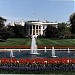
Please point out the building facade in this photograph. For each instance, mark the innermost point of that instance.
(37, 27)
(34, 27)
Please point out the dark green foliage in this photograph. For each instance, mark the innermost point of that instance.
(3, 30)
(16, 31)
(10, 30)
(63, 30)
(2, 20)
(51, 32)
(4, 34)
(72, 18)
(73, 29)
(72, 21)
(19, 31)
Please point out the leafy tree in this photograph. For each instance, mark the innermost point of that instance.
(63, 30)
(72, 22)
(51, 32)
(2, 20)
(3, 30)
(4, 34)
(19, 31)
(10, 30)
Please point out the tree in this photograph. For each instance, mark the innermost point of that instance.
(19, 31)
(4, 34)
(3, 30)
(10, 30)
(51, 32)
(72, 22)
(63, 30)
(2, 20)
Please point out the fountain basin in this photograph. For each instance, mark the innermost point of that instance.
(34, 53)
(54, 56)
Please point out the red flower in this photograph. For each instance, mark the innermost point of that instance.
(21, 61)
(72, 61)
(5, 60)
(13, 60)
(27, 60)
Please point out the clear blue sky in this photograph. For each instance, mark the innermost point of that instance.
(51, 10)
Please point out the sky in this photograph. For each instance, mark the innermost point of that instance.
(51, 10)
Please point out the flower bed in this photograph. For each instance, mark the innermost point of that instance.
(38, 64)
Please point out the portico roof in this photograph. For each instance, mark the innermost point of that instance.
(43, 23)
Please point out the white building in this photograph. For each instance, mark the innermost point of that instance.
(13, 23)
(37, 27)
(34, 27)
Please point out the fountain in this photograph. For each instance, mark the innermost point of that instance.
(34, 46)
(11, 54)
(68, 50)
(45, 49)
(53, 52)
(19, 50)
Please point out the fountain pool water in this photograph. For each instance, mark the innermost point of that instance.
(33, 45)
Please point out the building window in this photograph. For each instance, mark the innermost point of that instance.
(33, 26)
(37, 27)
(30, 27)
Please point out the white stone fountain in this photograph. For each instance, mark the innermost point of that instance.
(33, 45)
(45, 49)
(53, 52)
(11, 54)
(68, 50)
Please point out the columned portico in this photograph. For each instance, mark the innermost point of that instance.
(29, 30)
(41, 29)
(32, 29)
(37, 28)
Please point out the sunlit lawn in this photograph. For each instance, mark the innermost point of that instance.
(40, 42)
(16, 42)
(56, 42)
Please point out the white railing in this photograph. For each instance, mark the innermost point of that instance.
(30, 49)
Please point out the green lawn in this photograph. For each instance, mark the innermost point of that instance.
(56, 42)
(16, 42)
(40, 42)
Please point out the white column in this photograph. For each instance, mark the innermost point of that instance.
(35, 29)
(41, 30)
(29, 29)
(32, 29)
(38, 29)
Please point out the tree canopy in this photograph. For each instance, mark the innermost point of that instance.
(3, 30)
(51, 32)
(72, 22)
(2, 20)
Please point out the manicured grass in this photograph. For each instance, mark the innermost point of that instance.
(40, 42)
(56, 42)
(16, 42)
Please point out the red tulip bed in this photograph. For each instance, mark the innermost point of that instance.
(37, 64)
